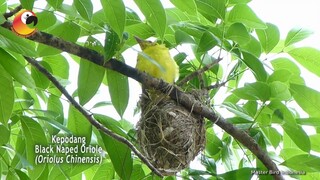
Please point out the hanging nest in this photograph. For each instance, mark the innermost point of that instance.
(169, 135)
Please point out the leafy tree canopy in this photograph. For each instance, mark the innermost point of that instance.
(228, 44)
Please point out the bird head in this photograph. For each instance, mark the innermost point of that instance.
(144, 43)
(21, 22)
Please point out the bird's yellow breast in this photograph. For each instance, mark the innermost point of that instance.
(161, 55)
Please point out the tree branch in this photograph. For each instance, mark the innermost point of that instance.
(183, 98)
(13, 12)
(88, 116)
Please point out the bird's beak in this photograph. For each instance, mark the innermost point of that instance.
(32, 19)
(139, 40)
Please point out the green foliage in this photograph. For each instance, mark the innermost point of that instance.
(119, 153)
(6, 96)
(154, 14)
(268, 106)
(90, 75)
(115, 15)
(295, 35)
(9, 41)
(27, 4)
(85, 8)
(119, 90)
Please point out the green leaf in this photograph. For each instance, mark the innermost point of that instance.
(141, 30)
(23, 99)
(315, 142)
(119, 90)
(295, 35)
(213, 143)
(176, 16)
(268, 37)
(155, 15)
(309, 121)
(132, 17)
(307, 98)
(210, 164)
(2, 19)
(238, 33)
(34, 135)
(308, 57)
(64, 170)
(55, 105)
(46, 19)
(185, 6)
(116, 15)
(254, 91)
(242, 13)
(192, 29)
(119, 153)
(180, 57)
(5, 135)
(27, 4)
(9, 40)
(78, 124)
(21, 174)
(290, 126)
(3, 6)
(90, 75)
(285, 63)
(15, 69)
(59, 65)
(280, 91)
(89, 80)
(287, 153)
(55, 3)
(212, 9)
(255, 65)
(102, 104)
(137, 172)
(207, 42)
(272, 135)
(253, 46)
(281, 75)
(251, 107)
(85, 8)
(231, 2)
(243, 173)
(105, 171)
(111, 44)
(69, 9)
(239, 111)
(6, 96)
(41, 80)
(68, 31)
(182, 37)
(303, 162)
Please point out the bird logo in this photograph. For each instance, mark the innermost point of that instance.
(21, 22)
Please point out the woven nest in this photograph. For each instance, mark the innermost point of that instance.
(169, 135)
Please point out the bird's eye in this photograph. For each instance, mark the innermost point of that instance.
(24, 16)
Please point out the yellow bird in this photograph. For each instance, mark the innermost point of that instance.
(167, 69)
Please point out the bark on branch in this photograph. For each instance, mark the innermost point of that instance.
(181, 97)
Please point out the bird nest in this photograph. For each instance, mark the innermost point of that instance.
(169, 135)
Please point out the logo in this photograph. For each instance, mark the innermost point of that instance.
(22, 22)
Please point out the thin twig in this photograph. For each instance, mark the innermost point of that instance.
(88, 116)
(198, 72)
(217, 85)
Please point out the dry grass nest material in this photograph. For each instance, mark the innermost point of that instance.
(169, 135)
